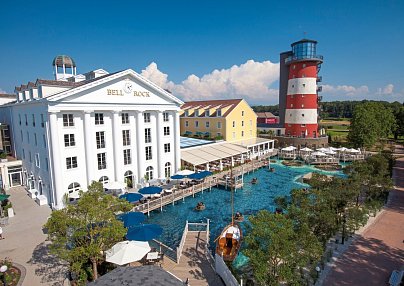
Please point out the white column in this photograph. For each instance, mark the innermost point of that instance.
(207, 167)
(57, 162)
(220, 165)
(133, 143)
(89, 146)
(176, 135)
(141, 171)
(117, 143)
(160, 145)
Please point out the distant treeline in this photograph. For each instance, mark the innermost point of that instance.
(334, 109)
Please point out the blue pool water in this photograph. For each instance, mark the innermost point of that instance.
(248, 200)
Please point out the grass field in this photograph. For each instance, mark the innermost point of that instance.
(337, 129)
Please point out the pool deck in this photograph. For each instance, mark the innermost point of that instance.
(194, 264)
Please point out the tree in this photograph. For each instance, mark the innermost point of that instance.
(399, 114)
(371, 121)
(277, 251)
(80, 233)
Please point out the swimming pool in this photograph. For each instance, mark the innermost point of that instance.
(248, 200)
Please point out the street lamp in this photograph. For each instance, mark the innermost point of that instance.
(318, 271)
(3, 270)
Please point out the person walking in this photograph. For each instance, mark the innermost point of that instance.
(1, 233)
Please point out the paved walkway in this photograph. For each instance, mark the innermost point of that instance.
(370, 259)
(25, 242)
(193, 263)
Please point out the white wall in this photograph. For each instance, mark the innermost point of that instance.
(305, 85)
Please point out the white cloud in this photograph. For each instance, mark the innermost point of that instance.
(345, 90)
(251, 81)
(387, 90)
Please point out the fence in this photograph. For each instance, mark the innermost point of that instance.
(223, 271)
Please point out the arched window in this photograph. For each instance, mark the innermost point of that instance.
(73, 191)
(167, 170)
(149, 173)
(128, 176)
(104, 180)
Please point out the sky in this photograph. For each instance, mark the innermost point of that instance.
(203, 50)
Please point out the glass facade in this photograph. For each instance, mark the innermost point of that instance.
(304, 50)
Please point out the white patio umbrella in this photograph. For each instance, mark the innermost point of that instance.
(353, 150)
(125, 252)
(318, 154)
(185, 172)
(115, 185)
(305, 149)
(331, 152)
(322, 149)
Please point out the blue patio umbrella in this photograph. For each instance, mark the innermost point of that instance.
(200, 175)
(131, 219)
(177, 177)
(150, 190)
(144, 232)
(131, 197)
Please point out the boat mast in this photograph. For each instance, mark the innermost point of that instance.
(231, 191)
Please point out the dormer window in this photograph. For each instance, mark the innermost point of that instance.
(207, 113)
(196, 112)
(186, 113)
(219, 112)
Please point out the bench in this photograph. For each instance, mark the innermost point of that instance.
(396, 277)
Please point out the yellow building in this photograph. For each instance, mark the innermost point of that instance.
(231, 120)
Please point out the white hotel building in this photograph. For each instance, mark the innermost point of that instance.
(97, 126)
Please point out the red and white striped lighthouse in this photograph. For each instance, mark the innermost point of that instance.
(300, 114)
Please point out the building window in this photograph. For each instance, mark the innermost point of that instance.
(242, 133)
(100, 139)
(165, 116)
(125, 118)
(166, 130)
(234, 135)
(303, 115)
(128, 178)
(304, 65)
(146, 117)
(104, 180)
(302, 95)
(71, 162)
(167, 170)
(218, 134)
(186, 123)
(219, 112)
(147, 135)
(69, 140)
(148, 153)
(294, 66)
(33, 120)
(72, 191)
(291, 96)
(127, 159)
(19, 119)
(196, 124)
(30, 157)
(302, 105)
(234, 123)
(149, 173)
(42, 121)
(303, 75)
(26, 120)
(219, 125)
(304, 85)
(250, 122)
(242, 113)
(35, 140)
(303, 125)
(196, 113)
(99, 118)
(27, 137)
(46, 164)
(23, 154)
(293, 85)
(44, 140)
(186, 113)
(291, 105)
(102, 162)
(68, 120)
(37, 161)
(22, 136)
(242, 123)
(207, 113)
(125, 137)
(207, 124)
(167, 148)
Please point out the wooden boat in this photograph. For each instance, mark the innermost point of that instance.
(229, 242)
(254, 181)
(238, 217)
(200, 206)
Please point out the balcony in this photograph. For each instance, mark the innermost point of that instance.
(319, 79)
(319, 88)
(291, 59)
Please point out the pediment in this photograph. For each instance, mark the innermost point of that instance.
(125, 87)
